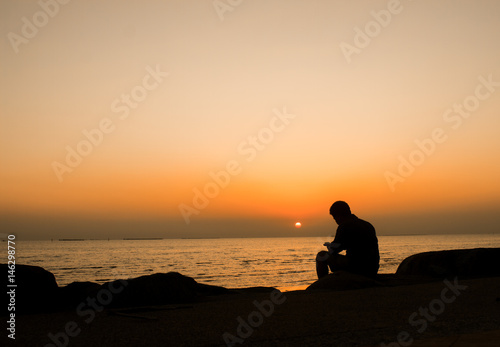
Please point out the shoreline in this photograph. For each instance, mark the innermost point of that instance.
(100, 261)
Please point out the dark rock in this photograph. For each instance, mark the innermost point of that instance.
(156, 289)
(465, 263)
(210, 290)
(393, 280)
(36, 289)
(343, 280)
(77, 292)
(252, 290)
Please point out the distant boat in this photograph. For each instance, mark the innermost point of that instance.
(142, 238)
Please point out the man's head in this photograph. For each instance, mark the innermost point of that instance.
(340, 211)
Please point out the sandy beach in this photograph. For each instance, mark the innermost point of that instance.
(418, 315)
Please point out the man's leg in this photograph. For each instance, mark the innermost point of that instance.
(338, 262)
(335, 262)
(322, 263)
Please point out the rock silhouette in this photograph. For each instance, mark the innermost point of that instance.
(36, 288)
(155, 289)
(465, 263)
(343, 280)
(77, 292)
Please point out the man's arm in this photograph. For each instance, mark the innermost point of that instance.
(337, 245)
(333, 247)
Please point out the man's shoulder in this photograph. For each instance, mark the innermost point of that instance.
(354, 224)
(358, 222)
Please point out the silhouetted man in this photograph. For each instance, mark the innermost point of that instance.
(357, 237)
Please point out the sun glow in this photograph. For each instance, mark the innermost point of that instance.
(298, 224)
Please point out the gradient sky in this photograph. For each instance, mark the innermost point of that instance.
(223, 73)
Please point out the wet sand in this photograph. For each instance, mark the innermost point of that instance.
(420, 315)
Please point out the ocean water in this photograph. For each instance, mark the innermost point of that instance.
(232, 263)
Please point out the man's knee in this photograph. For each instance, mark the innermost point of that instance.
(322, 256)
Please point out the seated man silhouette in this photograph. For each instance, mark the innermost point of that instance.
(357, 237)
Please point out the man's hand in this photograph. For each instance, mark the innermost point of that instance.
(329, 247)
(332, 247)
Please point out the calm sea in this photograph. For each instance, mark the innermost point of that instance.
(232, 263)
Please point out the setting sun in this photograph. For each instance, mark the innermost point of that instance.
(298, 224)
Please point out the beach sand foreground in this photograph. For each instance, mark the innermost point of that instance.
(461, 313)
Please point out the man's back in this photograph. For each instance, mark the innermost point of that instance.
(360, 242)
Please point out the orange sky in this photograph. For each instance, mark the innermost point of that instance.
(157, 96)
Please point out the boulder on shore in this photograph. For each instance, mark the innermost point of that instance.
(343, 280)
(35, 291)
(155, 289)
(470, 263)
(77, 292)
